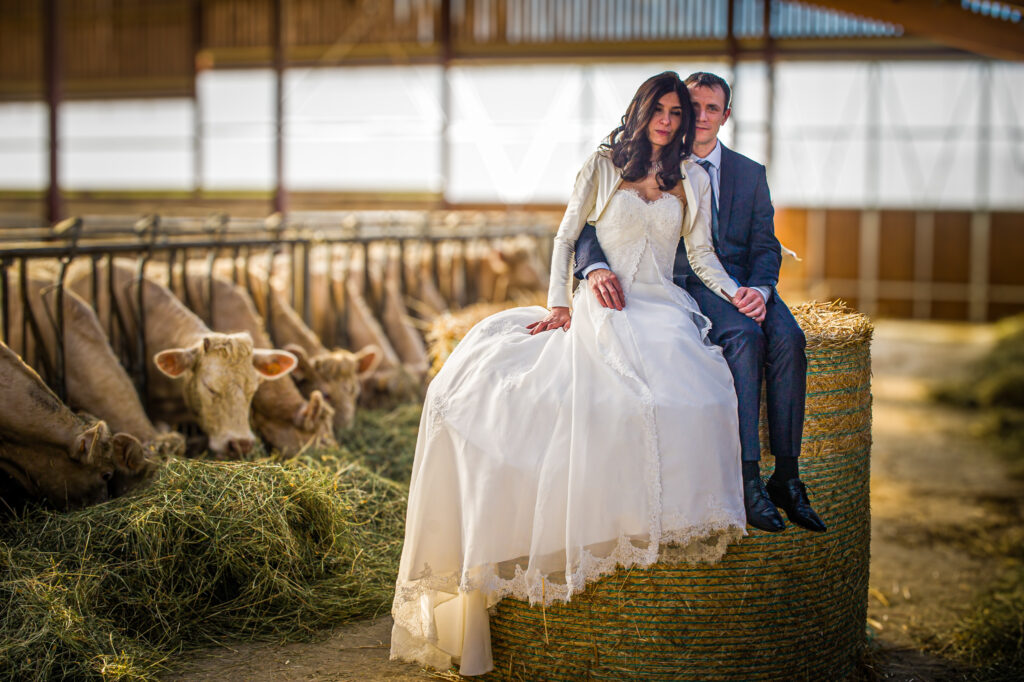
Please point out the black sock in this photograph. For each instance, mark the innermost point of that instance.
(751, 470)
(786, 469)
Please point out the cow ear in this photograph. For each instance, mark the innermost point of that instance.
(368, 358)
(88, 442)
(128, 453)
(303, 370)
(273, 364)
(175, 361)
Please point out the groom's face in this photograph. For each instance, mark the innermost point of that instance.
(709, 111)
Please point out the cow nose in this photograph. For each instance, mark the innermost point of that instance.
(239, 447)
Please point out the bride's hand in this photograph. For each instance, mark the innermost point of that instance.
(558, 318)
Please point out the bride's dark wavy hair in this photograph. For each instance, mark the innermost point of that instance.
(629, 144)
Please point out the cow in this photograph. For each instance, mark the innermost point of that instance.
(95, 381)
(280, 413)
(50, 455)
(203, 376)
(337, 374)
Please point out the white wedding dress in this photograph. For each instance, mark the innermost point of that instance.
(544, 462)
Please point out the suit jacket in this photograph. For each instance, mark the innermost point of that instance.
(595, 184)
(746, 244)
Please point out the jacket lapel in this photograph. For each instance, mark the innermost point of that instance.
(726, 182)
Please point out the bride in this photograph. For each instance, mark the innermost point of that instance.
(551, 453)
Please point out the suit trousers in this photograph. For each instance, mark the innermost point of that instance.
(773, 349)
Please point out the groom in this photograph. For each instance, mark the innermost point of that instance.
(756, 331)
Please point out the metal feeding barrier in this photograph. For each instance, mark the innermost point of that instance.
(171, 241)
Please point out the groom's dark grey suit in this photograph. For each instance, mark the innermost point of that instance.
(747, 247)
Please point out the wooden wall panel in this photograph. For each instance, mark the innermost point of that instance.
(111, 48)
(1006, 254)
(896, 246)
(949, 310)
(21, 51)
(791, 230)
(997, 311)
(952, 247)
(842, 244)
(894, 308)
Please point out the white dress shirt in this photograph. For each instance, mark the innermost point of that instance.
(715, 157)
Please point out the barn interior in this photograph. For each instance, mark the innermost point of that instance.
(383, 173)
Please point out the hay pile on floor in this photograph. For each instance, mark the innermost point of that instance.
(210, 552)
(995, 387)
(383, 441)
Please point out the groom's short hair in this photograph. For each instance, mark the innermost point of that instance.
(703, 79)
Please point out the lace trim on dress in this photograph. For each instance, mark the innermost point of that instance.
(688, 543)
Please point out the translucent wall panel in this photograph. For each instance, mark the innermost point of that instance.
(520, 134)
(237, 110)
(126, 144)
(746, 131)
(820, 144)
(928, 117)
(372, 128)
(1005, 176)
(23, 161)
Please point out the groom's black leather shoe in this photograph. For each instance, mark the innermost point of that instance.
(761, 513)
(791, 495)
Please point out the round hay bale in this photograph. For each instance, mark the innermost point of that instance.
(787, 606)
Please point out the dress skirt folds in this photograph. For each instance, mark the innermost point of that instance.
(544, 462)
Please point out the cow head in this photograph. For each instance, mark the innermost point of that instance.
(163, 446)
(312, 425)
(97, 467)
(338, 375)
(220, 374)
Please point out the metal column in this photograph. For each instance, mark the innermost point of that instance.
(446, 97)
(53, 60)
(278, 36)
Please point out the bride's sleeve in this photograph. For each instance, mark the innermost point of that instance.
(700, 249)
(581, 203)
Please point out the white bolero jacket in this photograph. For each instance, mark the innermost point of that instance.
(596, 182)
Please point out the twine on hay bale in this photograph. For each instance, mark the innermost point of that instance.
(780, 606)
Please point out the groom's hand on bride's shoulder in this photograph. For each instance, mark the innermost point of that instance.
(558, 318)
(750, 302)
(606, 288)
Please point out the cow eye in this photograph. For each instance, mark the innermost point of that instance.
(107, 475)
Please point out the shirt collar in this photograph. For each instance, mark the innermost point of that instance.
(715, 156)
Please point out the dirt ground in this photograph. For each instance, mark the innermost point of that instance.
(942, 506)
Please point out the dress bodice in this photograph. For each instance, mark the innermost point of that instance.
(632, 227)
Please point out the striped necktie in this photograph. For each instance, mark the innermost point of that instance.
(706, 165)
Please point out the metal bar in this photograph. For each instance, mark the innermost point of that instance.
(186, 291)
(403, 279)
(61, 380)
(446, 98)
(5, 292)
(53, 59)
(197, 111)
(210, 260)
(141, 366)
(269, 296)
(29, 321)
(307, 303)
(769, 63)
(278, 35)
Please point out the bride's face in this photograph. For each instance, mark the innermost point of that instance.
(668, 116)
